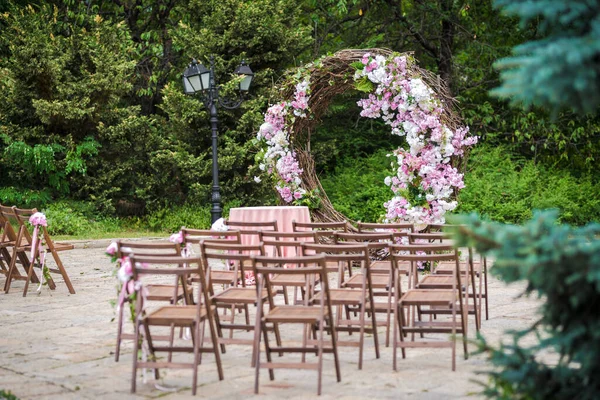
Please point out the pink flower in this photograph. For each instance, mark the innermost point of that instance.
(38, 219)
(125, 272)
(112, 248)
(176, 237)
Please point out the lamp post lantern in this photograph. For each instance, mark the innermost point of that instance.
(199, 80)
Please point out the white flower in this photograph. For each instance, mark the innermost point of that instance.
(219, 226)
(388, 180)
(257, 179)
(261, 167)
(378, 75)
(280, 139)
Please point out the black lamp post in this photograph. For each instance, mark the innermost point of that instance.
(199, 80)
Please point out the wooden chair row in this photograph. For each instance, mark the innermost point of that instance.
(312, 266)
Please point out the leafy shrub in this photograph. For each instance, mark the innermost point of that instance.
(25, 198)
(356, 189)
(172, 219)
(66, 218)
(506, 188)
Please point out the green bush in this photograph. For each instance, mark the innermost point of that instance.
(25, 198)
(356, 189)
(66, 218)
(172, 219)
(507, 188)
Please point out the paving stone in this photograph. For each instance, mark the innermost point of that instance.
(60, 346)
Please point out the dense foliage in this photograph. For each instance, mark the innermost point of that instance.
(93, 110)
(561, 265)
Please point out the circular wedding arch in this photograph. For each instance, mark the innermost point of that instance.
(412, 101)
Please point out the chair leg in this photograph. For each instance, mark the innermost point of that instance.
(454, 334)
(62, 270)
(395, 338)
(485, 278)
(215, 343)
(29, 272)
(12, 269)
(320, 355)
(334, 346)
(119, 333)
(268, 350)
(136, 347)
(196, 333)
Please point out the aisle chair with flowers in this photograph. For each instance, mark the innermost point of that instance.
(172, 292)
(11, 253)
(170, 316)
(40, 243)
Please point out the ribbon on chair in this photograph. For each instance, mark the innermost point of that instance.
(38, 219)
(187, 250)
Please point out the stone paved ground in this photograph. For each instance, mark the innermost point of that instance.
(60, 346)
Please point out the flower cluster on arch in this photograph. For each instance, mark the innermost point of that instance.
(425, 180)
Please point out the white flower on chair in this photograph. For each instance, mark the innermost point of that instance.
(219, 226)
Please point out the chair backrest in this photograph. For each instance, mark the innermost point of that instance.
(323, 229)
(427, 237)
(252, 227)
(375, 240)
(174, 266)
(302, 236)
(345, 255)
(6, 215)
(237, 254)
(195, 236)
(126, 248)
(22, 217)
(430, 252)
(309, 267)
(375, 227)
(282, 248)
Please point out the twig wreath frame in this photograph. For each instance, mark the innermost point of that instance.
(412, 101)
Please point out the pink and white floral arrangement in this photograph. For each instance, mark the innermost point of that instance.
(425, 179)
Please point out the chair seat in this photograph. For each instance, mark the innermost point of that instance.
(378, 281)
(236, 295)
(448, 268)
(177, 315)
(383, 267)
(288, 280)
(165, 292)
(283, 314)
(222, 277)
(61, 246)
(431, 297)
(342, 296)
(442, 281)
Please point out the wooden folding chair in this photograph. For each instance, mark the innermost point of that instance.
(419, 301)
(11, 253)
(237, 295)
(173, 315)
(155, 291)
(226, 276)
(316, 317)
(249, 230)
(347, 297)
(480, 267)
(22, 216)
(378, 243)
